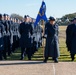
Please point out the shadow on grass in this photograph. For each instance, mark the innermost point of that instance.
(22, 63)
(31, 62)
(63, 60)
(63, 55)
(37, 56)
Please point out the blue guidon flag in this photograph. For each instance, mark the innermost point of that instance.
(42, 14)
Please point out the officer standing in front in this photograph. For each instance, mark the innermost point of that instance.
(25, 30)
(52, 42)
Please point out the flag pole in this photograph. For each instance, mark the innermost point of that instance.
(43, 40)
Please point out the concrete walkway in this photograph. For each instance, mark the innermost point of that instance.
(37, 68)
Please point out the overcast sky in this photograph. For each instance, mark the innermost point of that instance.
(56, 8)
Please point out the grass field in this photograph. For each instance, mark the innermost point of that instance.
(38, 56)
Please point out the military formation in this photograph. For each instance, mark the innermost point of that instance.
(16, 34)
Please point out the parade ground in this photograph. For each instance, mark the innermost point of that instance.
(37, 37)
(37, 68)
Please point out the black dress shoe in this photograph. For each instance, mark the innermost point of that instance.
(56, 60)
(53, 59)
(21, 58)
(72, 59)
(45, 61)
(5, 58)
(29, 58)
